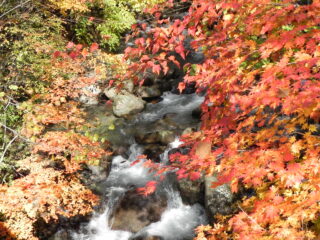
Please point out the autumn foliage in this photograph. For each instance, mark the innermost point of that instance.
(49, 186)
(260, 123)
(261, 113)
(45, 194)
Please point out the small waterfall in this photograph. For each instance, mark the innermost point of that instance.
(178, 220)
(99, 227)
(123, 176)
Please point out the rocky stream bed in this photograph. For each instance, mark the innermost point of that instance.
(177, 207)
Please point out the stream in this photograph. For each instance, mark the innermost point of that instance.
(177, 221)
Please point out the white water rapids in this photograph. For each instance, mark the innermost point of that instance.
(178, 221)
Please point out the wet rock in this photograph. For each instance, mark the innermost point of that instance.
(147, 138)
(191, 191)
(168, 121)
(61, 235)
(134, 212)
(163, 137)
(149, 92)
(188, 131)
(127, 104)
(153, 151)
(196, 113)
(166, 137)
(91, 176)
(144, 236)
(58, 230)
(182, 150)
(105, 165)
(150, 78)
(189, 89)
(195, 57)
(219, 199)
(90, 95)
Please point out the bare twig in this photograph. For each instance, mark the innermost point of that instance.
(15, 132)
(7, 147)
(3, 2)
(12, 9)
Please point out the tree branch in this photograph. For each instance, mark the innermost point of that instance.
(15, 133)
(12, 9)
(7, 147)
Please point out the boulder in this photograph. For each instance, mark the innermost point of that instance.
(128, 85)
(61, 235)
(111, 93)
(153, 151)
(166, 137)
(134, 213)
(149, 92)
(90, 95)
(196, 113)
(191, 191)
(144, 236)
(219, 199)
(187, 131)
(126, 104)
(146, 138)
(92, 175)
(181, 150)
(162, 136)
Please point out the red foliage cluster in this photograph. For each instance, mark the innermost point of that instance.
(262, 110)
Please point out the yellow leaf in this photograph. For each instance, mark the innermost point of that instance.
(312, 128)
(292, 139)
(296, 147)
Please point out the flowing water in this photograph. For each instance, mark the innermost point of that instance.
(178, 220)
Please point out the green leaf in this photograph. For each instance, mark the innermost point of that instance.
(287, 27)
(13, 87)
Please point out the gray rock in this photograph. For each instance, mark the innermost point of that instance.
(89, 95)
(166, 137)
(144, 236)
(187, 131)
(128, 85)
(162, 136)
(134, 213)
(219, 199)
(127, 104)
(111, 93)
(93, 175)
(61, 235)
(149, 92)
(153, 151)
(191, 191)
